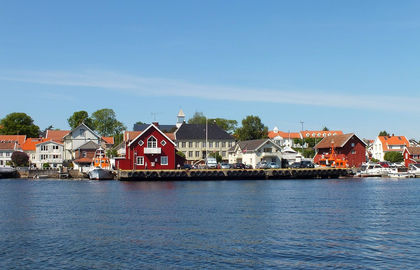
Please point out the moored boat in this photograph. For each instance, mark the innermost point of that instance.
(8, 172)
(100, 168)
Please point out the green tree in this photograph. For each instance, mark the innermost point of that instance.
(325, 129)
(383, 133)
(394, 157)
(217, 156)
(20, 159)
(80, 117)
(19, 124)
(252, 129)
(106, 123)
(138, 123)
(46, 165)
(225, 124)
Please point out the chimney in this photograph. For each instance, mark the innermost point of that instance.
(156, 124)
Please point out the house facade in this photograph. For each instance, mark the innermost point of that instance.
(254, 151)
(6, 151)
(83, 156)
(384, 144)
(78, 137)
(48, 152)
(191, 140)
(411, 155)
(150, 150)
(295, 139)
(346, 146)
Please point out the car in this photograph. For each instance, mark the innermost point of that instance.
(273, 165)
(307, 164)
(248, 166)
(294, 165)
(238, 166)
(262, 165)
(187, 167)
(223, 166)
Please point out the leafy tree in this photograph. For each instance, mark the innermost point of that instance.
(394, 157)
(217, 156)
(20, 159)
(181, 154)
(225, 124)
(80, 117)
(138, 123)
(383, 133)
(374, 160)
(19, 124)
(46, 165)
(106, 123)
(112, 153)
(252, 129)
(325, 129)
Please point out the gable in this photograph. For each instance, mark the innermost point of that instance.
(83, 132)
(152, 129)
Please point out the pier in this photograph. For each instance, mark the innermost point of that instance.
(227, 174)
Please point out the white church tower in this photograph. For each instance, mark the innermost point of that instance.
(180, 118)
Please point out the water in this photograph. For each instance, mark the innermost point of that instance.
(310, 224)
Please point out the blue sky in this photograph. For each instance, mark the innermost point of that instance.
(348, 65)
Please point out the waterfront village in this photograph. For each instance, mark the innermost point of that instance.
(181, 145)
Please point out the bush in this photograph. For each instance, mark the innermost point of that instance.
(20, 159)
(394, 157)
(46, 165)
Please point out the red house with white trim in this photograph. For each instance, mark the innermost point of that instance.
(411, 155)
(347, 147)
(150, 150)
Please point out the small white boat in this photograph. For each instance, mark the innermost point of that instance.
(372, 170)
(399, 172)
(414, 169)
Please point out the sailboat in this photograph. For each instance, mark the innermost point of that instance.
(101, 166)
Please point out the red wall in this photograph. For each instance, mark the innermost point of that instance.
(167, 150)
(353, 160)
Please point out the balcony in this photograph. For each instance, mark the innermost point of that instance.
(148, 150)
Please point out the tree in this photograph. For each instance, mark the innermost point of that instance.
(217, 156)
(394, 157)
(106, 123)
(325, 129)
(19, 124)
(225, 124)
(80, 117)
(46, 165)
(383, 133)
(20, 159)
(138, 123)
(252, 129)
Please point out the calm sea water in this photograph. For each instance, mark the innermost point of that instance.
(308, 224)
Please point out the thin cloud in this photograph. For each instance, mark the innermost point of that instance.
(141, 86)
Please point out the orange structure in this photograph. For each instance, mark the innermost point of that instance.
(100, 160)
(331, 160)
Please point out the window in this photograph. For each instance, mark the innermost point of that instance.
(84, 154)
(197, 154)
(217, 144)
(55, 147)
(1, 154)
(352, 144)
(7, 154)
(223, 153)
(223, 144)
(190, 144)
(210, 144)
(353, 152)
(183, 144)
(140, 160)
(44, 147)
(163, 142)
(163, 160)
(268, 150)
(152, 142)
(190, 153)
(141, 143)
(230, 144)
(197, 144)
(82, 131)
(203, 144)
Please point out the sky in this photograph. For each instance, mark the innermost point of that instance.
(347, 65)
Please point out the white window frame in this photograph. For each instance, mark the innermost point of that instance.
(152, 142)
(141, 142)
(140, 160)
(162, 159)
(163, 142)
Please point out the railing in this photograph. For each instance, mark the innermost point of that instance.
(148, 150)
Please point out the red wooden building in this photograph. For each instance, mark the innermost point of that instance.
(151, 150)
(411, 155)
(346, 146)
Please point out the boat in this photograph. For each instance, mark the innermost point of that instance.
(332, 160)
(101, 166)
(414, 169)
(400, 172)
(372, 170)
(8, 172)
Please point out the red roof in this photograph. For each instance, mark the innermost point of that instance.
(56, 135)
(30, 143)
(285, 135)
(131, 135)
(7, 145)
(20, 139)
(393, 140)
(84, 160)
(338, 140)
(108, 140)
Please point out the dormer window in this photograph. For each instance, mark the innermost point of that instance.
(152, 142)
(141, 143)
